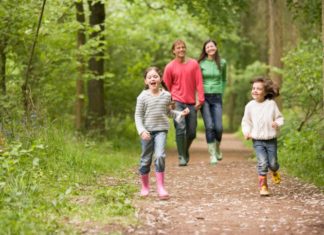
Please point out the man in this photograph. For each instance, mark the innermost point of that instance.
(183, 78)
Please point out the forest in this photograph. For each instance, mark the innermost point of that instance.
(70, 72)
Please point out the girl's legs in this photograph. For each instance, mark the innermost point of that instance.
(273, 160)
(262, 166)
(145, 163)
(159, 152)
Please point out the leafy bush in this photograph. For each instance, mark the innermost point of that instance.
(302, 151)
(40, 179)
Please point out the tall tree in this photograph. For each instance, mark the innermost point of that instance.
(3, 61)
(275, 38)
(323, 47)
(81, 40)
(96, 108)
(26, 90)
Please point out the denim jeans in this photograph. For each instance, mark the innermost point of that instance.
(266, 153)
(156, 146)
(188, 125)
(186, 128)
(211, 112)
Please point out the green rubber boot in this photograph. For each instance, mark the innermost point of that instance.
(181, 146)
(189, 142)
(212, 152)
(218, 152)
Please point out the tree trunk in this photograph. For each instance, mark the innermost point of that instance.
(26, 91)
(323, 49)
(81, 40)
(96, 109)
(275, 40)
(3, 61)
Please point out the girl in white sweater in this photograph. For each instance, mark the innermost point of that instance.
(261, 122)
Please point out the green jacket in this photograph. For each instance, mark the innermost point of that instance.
(214, 80)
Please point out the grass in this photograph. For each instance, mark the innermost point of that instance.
(58, 177)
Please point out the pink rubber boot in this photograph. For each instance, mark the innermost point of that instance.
(163, 194)
(145, 185)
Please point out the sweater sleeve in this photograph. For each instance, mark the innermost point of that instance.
(224, 75)
(139, 115)
(246, 121)
(167, 78)
(278, 118)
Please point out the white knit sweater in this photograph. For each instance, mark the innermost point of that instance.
(258, 118)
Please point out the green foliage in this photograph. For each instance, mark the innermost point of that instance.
(237, 93)
(302, 148)
(301, 153)
(308, 11)
(302, 88)
(152, 33)
(39, 181)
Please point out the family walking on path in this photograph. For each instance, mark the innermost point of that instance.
(193, 85)
(206, 195)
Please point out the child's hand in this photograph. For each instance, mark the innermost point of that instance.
(247, 136)
(185, 112)
(145, 135)
(274, 125)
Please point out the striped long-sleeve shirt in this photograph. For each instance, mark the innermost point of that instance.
(151, 113)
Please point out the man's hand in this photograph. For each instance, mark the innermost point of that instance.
(185, 112)
(145, 135)
(198, 105)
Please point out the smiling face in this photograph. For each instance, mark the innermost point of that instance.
(210, 49)
(258, 91)
(153, 81)
(179, 50)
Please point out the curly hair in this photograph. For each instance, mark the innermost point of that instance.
(271, 89)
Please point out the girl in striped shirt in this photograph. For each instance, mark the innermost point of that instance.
(153, 107)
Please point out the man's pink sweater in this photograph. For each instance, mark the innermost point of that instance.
(183, 80)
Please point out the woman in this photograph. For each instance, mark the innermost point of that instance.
(213, 70)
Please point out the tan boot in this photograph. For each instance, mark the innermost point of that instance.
(263, 185)
(276, 179)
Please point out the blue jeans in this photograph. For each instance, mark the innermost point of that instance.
(156, 146)
(266, 153)
(211, 112)
(186, 128)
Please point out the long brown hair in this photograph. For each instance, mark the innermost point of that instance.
(159, 72)
(204, 55)
(270, 88)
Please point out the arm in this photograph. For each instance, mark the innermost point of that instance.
(246, 123)
(167, 78)
(224, 75)
(199, 86)
(278, 118)
(139, 119)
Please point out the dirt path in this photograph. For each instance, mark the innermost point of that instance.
(224, 199)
